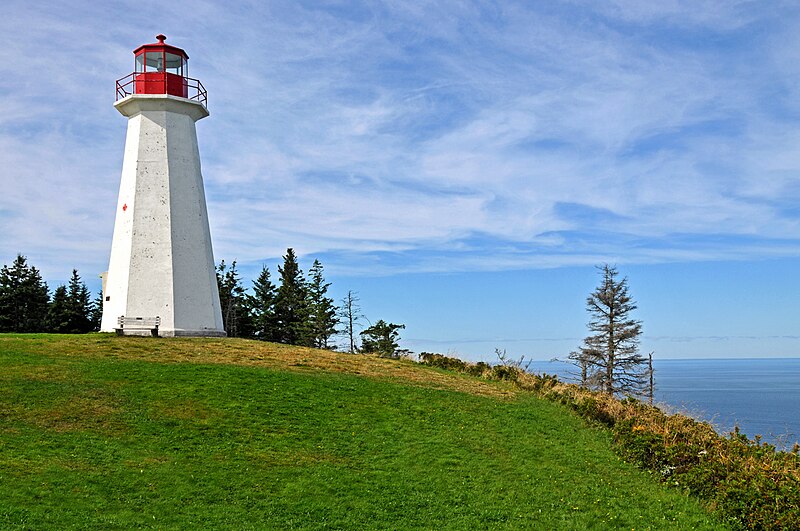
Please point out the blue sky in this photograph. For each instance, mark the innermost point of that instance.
(462, 165)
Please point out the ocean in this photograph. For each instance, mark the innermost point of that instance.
(760, 396)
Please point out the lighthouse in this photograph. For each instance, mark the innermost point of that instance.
(161, 277)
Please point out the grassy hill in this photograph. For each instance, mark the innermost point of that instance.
(105, 432)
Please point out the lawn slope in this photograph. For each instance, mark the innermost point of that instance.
(104, 432)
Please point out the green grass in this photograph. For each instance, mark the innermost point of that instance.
(93, 441)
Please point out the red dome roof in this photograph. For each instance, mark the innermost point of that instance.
(160, 46)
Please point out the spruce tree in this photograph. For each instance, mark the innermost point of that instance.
(261, 306)
(322, 312)
(609, 358)
(70, 311)
(80, 305)
(58, 314)
(291, 304)
(23, 298)
(381, 338)
(235, 318)
(96, 313)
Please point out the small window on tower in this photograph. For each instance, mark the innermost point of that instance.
(140, 63)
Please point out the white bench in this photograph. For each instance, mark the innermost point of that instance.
(137, 324)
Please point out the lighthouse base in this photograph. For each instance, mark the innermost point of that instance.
(173, 333)
(194, 333)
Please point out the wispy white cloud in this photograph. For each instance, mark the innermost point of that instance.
(423, 136)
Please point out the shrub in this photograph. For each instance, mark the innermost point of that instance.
(542, 382)
(591, 408)
(442, 362)
(505, 372)
(641, 446)
(479, 369)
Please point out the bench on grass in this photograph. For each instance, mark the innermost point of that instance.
(139, 324)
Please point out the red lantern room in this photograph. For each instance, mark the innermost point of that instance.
(160, 68)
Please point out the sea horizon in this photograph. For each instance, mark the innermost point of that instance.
(759, 395)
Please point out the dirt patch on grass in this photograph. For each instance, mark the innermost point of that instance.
(95, 411)
(38, 373)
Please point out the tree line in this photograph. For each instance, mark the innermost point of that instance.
(26, 304)
(296, 310)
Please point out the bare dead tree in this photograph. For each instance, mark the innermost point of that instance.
(651, 389)
(350, 315)
(508, 361)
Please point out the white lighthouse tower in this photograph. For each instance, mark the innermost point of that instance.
(162, 267)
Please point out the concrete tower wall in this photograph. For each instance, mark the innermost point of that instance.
(161, 258)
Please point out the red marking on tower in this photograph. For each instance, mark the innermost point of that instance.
(125, 207)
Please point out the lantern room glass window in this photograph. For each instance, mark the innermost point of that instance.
(154, 61)
(161, 62)
(174, 63)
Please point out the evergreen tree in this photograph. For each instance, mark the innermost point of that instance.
(261, 306)
(291, 304)
(96, 313)
(322, 312)
(70, 311)
(23, 298)
(80, 305)
(609, 359)
(381, 338)
(58, 314)
(235, 317)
